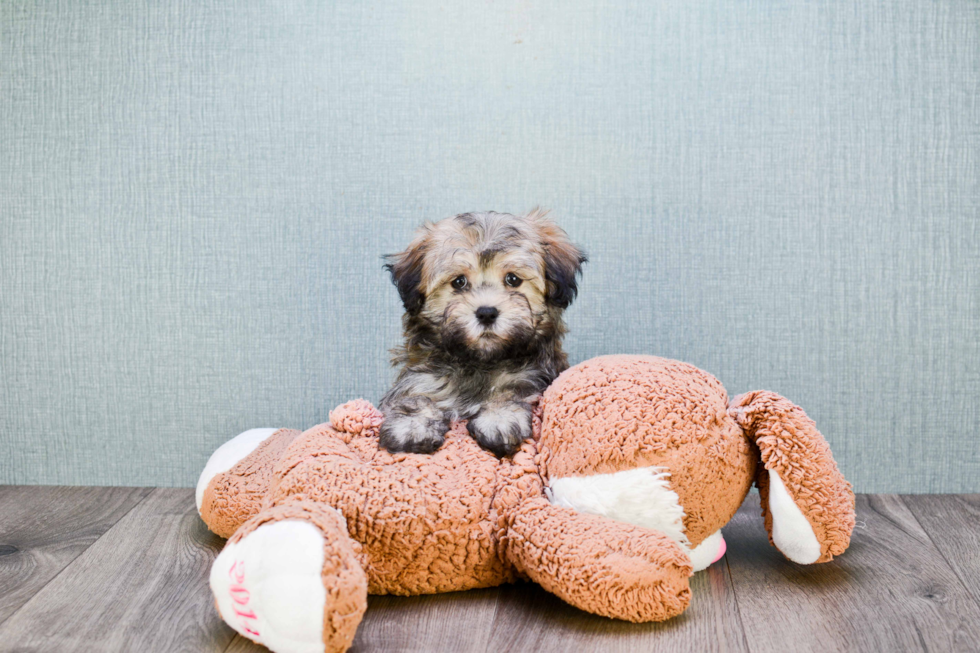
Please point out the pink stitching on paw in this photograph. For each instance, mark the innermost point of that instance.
(240, 595)
(246, 615)
(237, 571)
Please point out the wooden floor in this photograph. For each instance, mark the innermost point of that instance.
(125, 569)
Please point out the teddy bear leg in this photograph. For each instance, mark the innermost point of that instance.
(807, 505)
(236, 477)
(291, 579)
(606, 567)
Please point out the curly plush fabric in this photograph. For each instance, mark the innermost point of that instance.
(632, 573)
(424, 522)
(462, 518)
(356, 417)
(790, 444)
(620, 412)
(235, 495)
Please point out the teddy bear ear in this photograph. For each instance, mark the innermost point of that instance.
(562, 259)
(406, 269)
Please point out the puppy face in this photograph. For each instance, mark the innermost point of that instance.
(488, 284)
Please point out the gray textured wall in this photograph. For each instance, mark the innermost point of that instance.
(195, 196)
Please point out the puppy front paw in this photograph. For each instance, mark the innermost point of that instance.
(501, 427)
(413, 425)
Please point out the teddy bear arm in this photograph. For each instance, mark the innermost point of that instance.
(807, 505)
(236, 478)
(599, 565)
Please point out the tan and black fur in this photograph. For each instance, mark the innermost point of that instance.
(484, 295)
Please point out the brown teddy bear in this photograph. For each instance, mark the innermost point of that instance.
(635, 465)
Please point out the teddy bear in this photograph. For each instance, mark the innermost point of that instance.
(634, 466)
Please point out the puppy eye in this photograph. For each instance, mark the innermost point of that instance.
(459, 282)
(513, 280)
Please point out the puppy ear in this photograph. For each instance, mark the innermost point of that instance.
(406, 273)
(562, 260)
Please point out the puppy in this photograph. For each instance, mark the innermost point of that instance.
(484, 295)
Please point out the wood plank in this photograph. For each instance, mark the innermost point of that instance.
(952, 521)
(891, 591)
(457, 621)
(531, 619)
(241, 645)
(911, 580)
(141, 587)
(43, 529)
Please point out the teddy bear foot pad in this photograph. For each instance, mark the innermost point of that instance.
(268, 586)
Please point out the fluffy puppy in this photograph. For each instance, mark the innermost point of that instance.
(484, 295)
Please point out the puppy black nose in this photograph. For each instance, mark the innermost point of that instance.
(486, 315)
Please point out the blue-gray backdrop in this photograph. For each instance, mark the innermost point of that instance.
(195, 196)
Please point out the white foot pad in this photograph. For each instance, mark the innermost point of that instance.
(791, 531)
(269, 588)
(640, 496)
(227, 456)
